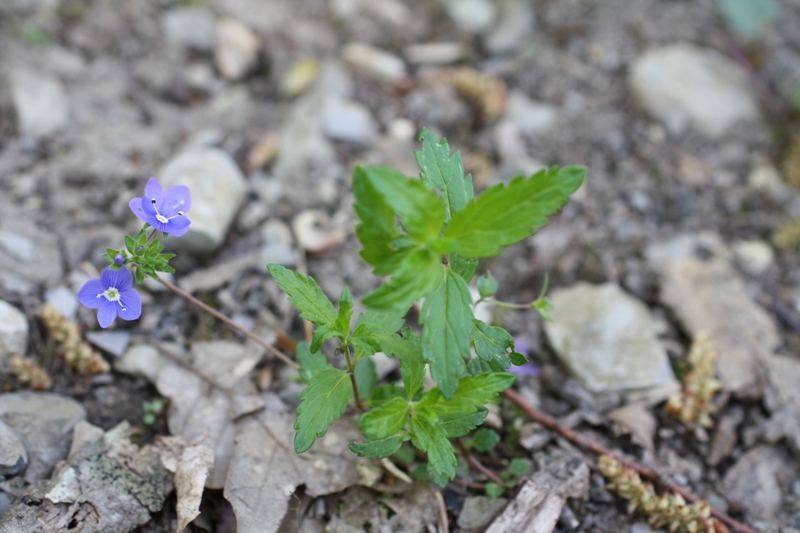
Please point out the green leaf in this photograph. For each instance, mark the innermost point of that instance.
(506, 214)
(345, 314)
(408, 351)
(366, 377)
(479, 366)
(424, 472)
(306, 295)
(420, 210)
(322, 402)
(519, 467)
(485, 439)
(458, 425)
(384, 393)
(322, 334)
(418, 272)
(372, 326)
(445, 172)
(487, 285)
(429, 436)
(517, 359)
(130, 244)
(491, 342)
(472, 392)
(446, 316)
(385, 420)
(378, 448)
(377, 230)
(493, 490)
(139, 276)
(310, 363)
(462, 266)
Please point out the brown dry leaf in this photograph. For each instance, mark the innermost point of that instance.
(637, 420)
(264, 151)
(191, 463)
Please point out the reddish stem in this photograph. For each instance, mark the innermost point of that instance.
(477, 465)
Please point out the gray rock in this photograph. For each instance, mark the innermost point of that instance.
(62, 299)
(782, 398)
(641, 527)
(40, 101)
(514, 28)
(759, 480)
(479, 511)
(235, 48)
(13, 331)
(277, 246)
(190, 27)
(532, 118)
(377, 63)
(684, 246)
(114, 342)
(13, 457)
(142, 360)
(607, 338)
(349, 121)
(475, 16)
(754, 256)
(218, 188)
(711, 296)
(682, 84)
(16, 246)
(435, 53)
(44, 423)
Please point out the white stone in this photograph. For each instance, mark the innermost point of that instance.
(191, 27)
(64, 300)
(374, 61)
(142, 360)
(13, 457)
(766, 178)
(514, 29)
(607, 339)
(114, 342)
(349, 121)
(532, 118)
(235, 48)
(754, 256)
(685, 85)
(474, 16)
(435, 53)
(17, 246)
(478, 511)
(278, 244)
(13, 331)
(40, 101)
(218, 189)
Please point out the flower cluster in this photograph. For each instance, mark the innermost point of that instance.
(112, 293)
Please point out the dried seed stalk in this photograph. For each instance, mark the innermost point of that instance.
(77, 353)
(787, 237)
(692, 406)
(28, 372)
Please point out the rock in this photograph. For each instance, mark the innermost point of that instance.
(214, 277)
(349, 121)
(13, 331)
(13, 457)
(782, 398)
(641, 527)
(711, 296)
(114, 342)
(235, 48)
(682, 84)
(142, 360)
(62, 299)
(765, 178)
(514, 29)
(40, 101)
(277, 246)
(442, 53)
(758, 481)
(607, 338)
(377, 63)
(189, 27)
(16, 246)
(754, 256)
(532, 118)
(43, 422)
(479, 511)
(474, 16)
(316, 232)
(685, 245)
(218, 188)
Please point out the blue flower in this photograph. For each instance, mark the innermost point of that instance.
(164, 210)
(113, 294)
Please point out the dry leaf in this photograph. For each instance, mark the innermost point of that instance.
(636, 419)
(191, 463)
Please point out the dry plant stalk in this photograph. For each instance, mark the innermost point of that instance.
(787, 236)
(668, 510)
(77, 353)
(692, 406)
(791, 162)
(28, 372)
(486, 93)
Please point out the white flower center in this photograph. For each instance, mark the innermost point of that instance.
(112, 295)
(162, 219)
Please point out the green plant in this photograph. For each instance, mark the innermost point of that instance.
(427, 235)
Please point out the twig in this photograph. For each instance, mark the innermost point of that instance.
(442, 512)
(230, 323)
(588, 444)
(477, 465)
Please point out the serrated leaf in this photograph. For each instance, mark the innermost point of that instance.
(323, 401)
(379, 448)
(418, 272)
(384, 393)
(385, 420)
(479, 366)
(366, 377)
(459, 424)
(462, 266)
(485, 439)
(444, 171)
(310, 363)
(322, 334)
(424, 472)
(306, 295)
(408, 351)
(372, 326)
(491, 342)
(446, 317)
(472, 392)
(345, 314)
(506, 214)
(376, 231)
(429, 436)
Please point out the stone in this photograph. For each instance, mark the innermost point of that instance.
(782, 398)
(64, 300)
(13, 331)
(277, 246)
(532, 118)
(13, 458)
(218, 189)
(682, 246)
(43, 422)
(17, 246)
(607, 339)
(754, 256)
(684, 85)
(758, 481)
(479, 511)
(114, 342)
(189, 27)
(377, 63)
(641, 527)
(142, 360)
(474, 16)
(514, 28)
(235, 48)
(442, 53)
(40, 101)
(349, 121)
(709, 295)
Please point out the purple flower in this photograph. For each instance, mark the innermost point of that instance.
(164, 210)
(113, 293)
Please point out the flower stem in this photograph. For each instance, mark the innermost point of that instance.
(507, 305)
(230, 323)
(477, 465)
(351, 368)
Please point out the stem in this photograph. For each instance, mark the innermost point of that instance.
(230, 323)
(477, 465)
(588, 444)
(351, 368)
(507, 305)
(442, 512)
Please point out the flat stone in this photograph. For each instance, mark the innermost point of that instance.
(608, 339)
(532, 118)
(754, 256)
(442, 53)
(218, 189)
(277, 246)
(189, 27)
(142, 360)
(13, 457)
(377, 63)
(40, 101)
(684, 246)
(479, 511)
(758, 481)
(235, 48)
(514, 28)
(782, 398)
(474, 16)
(17, 246)
(43, 422)
(63, 299)
(684, 85)
(114, 342)
(13, 331)
(349, 121)
(711, 296)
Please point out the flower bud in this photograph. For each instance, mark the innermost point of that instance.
(120, 259)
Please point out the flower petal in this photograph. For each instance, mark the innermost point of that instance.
(148, 208)
(132, 303)
(136, 207)
(121, 279)
(153, 190)
(107, 313)
(88, 293)
(178, 226)
(176, 198)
